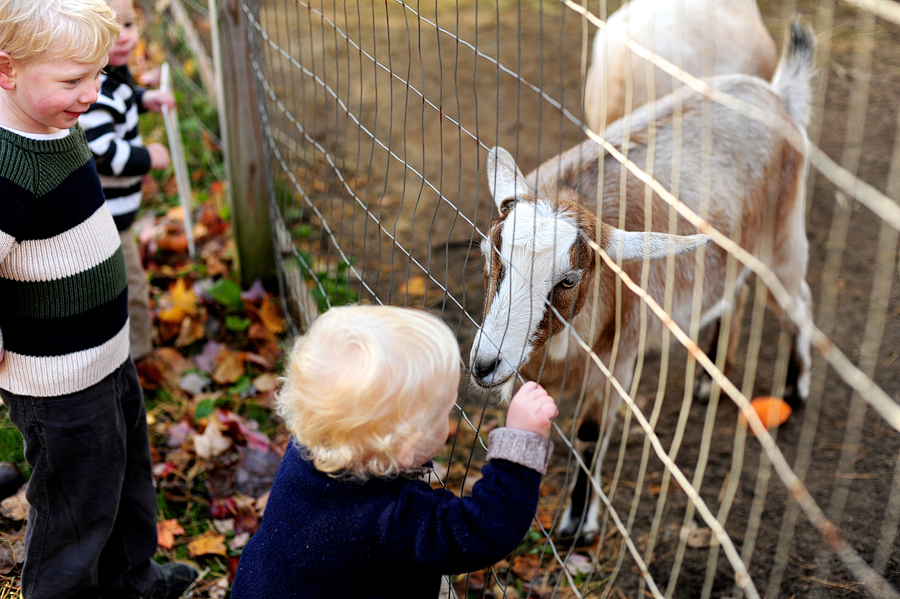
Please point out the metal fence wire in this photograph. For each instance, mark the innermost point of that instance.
(379, 120)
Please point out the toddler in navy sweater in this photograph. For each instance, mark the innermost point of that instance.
(368, 397)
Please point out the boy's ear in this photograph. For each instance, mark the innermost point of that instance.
(7, 71)
(406, 455)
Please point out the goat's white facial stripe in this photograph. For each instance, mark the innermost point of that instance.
(535, 251)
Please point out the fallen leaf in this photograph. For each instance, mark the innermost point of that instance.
(183, 297)
(525, 566)
(225, 526)
(206, 360)
(191, 331)
(270, 316)
(12, 554)
(239, 541)
(208, 543)
(179, 433)
(475, 581)
(257, 471)
(219, 590)
(246, 522)
(212, 442)
(256, 292)
(166, 531)
(229, 367)
(578, 564)
(260, 333)
(267, 381)
(194, 383)
(261, 502)
(15, 507)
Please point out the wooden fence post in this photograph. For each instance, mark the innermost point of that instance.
(243, 143)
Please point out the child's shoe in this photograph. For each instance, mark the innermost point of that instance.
(172, 580)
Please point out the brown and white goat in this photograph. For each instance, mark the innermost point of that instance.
(743, 175)
(703, 37)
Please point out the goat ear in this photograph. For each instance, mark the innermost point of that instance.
(504, 177)
(636, 245)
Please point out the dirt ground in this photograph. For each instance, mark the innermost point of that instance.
(392, 157)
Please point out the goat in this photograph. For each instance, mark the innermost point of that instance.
(703, 37)
(539, 264)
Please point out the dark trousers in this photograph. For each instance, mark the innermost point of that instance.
(92, 506)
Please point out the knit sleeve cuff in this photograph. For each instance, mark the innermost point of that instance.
(520, 447)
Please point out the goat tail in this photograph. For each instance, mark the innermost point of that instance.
(793, 77)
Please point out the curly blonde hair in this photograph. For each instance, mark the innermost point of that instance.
(362, 381)
(83, 30)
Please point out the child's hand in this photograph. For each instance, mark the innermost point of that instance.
(154, 100)
(532, 409)
(159, 156)
(150, 77)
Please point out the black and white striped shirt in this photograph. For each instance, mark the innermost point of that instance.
(111, 127)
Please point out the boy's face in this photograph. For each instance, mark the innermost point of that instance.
(120, 53)
(45, 95)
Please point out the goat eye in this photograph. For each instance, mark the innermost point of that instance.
(506, 205)
(567, 283)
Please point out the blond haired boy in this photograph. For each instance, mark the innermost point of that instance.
(368, 396)
(66, 376)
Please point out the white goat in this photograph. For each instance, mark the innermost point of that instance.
(703, 37)
(750, 186)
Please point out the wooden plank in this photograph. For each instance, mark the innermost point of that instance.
(243, 145)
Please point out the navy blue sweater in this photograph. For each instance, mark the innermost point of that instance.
(323, 538)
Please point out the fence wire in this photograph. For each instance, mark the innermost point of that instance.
(379, 118)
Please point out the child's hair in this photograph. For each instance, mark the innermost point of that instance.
(362, 380)
(83, 30)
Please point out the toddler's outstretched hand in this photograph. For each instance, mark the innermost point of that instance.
(159, 156)
(532, 409)
(154, 99)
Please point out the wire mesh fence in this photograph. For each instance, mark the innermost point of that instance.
(379, 119)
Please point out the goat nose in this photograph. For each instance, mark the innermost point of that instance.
(483, 369)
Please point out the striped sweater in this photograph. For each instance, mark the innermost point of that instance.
(111, 127)
(63, 287)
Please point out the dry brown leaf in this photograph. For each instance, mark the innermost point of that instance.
(208, 543)
(260, 332)
(191, 331)
(212, 442)
(525, 566)
(270, 316)
(229, 367)
(7, 558)
(15, 507)
(166, 531)
(266, 382)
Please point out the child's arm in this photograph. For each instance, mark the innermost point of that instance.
(524, 439)
(441, 531)
(154, 99)
(114, 156)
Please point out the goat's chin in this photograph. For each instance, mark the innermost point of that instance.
(502, 391)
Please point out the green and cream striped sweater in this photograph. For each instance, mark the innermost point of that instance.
(63, 287)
